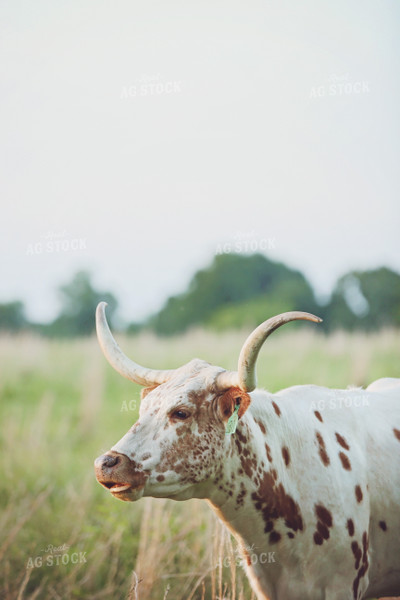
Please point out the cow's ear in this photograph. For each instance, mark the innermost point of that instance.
(147, 390)
(230, 399)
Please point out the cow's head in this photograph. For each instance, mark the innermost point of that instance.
(178, 445)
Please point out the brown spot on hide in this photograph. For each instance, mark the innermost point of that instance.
(318, 539)
(324, 522)
(322, 450)
(269, 527)
(290, 535)
(357, 553)
(318, 415)
(160, 477)
(276, 408)
(249, 463)
(274, 537)
(340, 440)
(382, 525)
(324, 515)
(268, 449)
(397, 433)
(261, 426)
(365, 542)
(286, 455)
(241, 495)
(345, 461)
(365, 563)
(358, 493)
(241, 436)
(350, 527)
(323, 530)
(247, 460)
(274, 502)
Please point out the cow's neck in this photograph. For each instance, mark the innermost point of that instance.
(250, 482)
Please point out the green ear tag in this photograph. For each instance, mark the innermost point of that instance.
(232, 421)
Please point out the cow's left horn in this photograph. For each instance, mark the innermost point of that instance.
(245, 376)
(117, 359)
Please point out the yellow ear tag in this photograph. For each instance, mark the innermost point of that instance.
(232, 421)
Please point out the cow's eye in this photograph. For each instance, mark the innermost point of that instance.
(180, 414)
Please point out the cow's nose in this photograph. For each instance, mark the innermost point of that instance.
(106, 461)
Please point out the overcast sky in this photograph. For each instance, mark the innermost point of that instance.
(139, 138)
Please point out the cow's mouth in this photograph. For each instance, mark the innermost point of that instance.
(124, 491)
(115, 488)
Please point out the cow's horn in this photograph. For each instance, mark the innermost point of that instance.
(245, 376)
(117, 359)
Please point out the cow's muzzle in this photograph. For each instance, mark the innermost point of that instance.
(120, 475)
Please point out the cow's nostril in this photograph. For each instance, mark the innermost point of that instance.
(106, 461)
(110, 461)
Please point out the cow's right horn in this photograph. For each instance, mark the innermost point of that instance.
(245, 376)
(117, 359)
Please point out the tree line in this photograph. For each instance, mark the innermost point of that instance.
(234, 291)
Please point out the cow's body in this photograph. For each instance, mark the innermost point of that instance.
(309, 484)
(336, 531)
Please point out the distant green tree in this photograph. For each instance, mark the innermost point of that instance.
(381, 289)
(79, 301)
(225, 293)
(336, 314)
(365, 300)
(286, 296)
(12, 316)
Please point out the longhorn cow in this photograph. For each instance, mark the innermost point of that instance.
(312, 482)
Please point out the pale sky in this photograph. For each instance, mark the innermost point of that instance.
(140, 137)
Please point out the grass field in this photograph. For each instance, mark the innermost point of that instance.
(61, 405)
